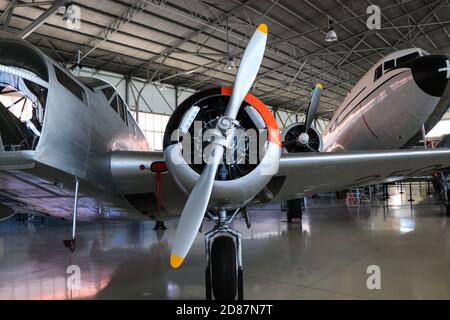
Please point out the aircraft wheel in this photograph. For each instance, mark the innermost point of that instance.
(447, 209)
(224, 275)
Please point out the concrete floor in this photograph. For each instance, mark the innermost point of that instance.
(326, 257)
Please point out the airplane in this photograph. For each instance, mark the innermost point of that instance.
(70, 148)
(387, 107)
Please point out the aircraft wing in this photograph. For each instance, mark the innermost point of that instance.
(137, 185)
(312, 173)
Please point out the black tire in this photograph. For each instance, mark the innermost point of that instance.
(224, 268)
(447, 209)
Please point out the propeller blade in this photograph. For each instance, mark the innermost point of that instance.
(197, 203)
(313, 105)
(195, 208)
(248, 69)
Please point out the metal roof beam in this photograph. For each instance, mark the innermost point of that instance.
(410, 17)
(42, 18)
(136, 8)
(6, 15)
(178, 43)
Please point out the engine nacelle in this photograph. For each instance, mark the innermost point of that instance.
(293, 143)
(248, 165)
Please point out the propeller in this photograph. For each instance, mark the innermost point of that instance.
(197, 203)
(312, 111)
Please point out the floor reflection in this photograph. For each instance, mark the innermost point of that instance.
(325, 256)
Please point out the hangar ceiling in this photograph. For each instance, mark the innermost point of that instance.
(189, 42)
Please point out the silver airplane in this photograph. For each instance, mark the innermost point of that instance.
(70, 148)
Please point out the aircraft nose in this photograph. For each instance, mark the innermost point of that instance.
(432, 73)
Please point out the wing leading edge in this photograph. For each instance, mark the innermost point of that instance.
(312, 173)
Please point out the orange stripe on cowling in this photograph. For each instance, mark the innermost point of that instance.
(274, 135)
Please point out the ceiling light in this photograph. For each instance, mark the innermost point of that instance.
(331, 35)
(231, 64)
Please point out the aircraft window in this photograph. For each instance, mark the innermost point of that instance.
(389, 65)
(130, 120)
(378, 73)
(407, 58)
(121, 106)
(108, 92)
(70, 84)
(113, 104)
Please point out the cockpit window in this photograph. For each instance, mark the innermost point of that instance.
(111, 95)
(407, 58)
(389, 65)
(108, 92)
(70, 84)
(121, 109)
(378, 72)
(116, 102)
(113, 103)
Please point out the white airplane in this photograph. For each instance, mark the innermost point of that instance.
(387, 107)
(70, 148)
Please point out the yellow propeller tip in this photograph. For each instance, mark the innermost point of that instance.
(175, 261)
(263, 28)
(320, 86)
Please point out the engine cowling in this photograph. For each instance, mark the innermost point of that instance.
(250, 163)
(293, 142)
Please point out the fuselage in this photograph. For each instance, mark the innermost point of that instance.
(67, 127)
(390, 103)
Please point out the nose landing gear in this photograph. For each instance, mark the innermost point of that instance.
(224, 272)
